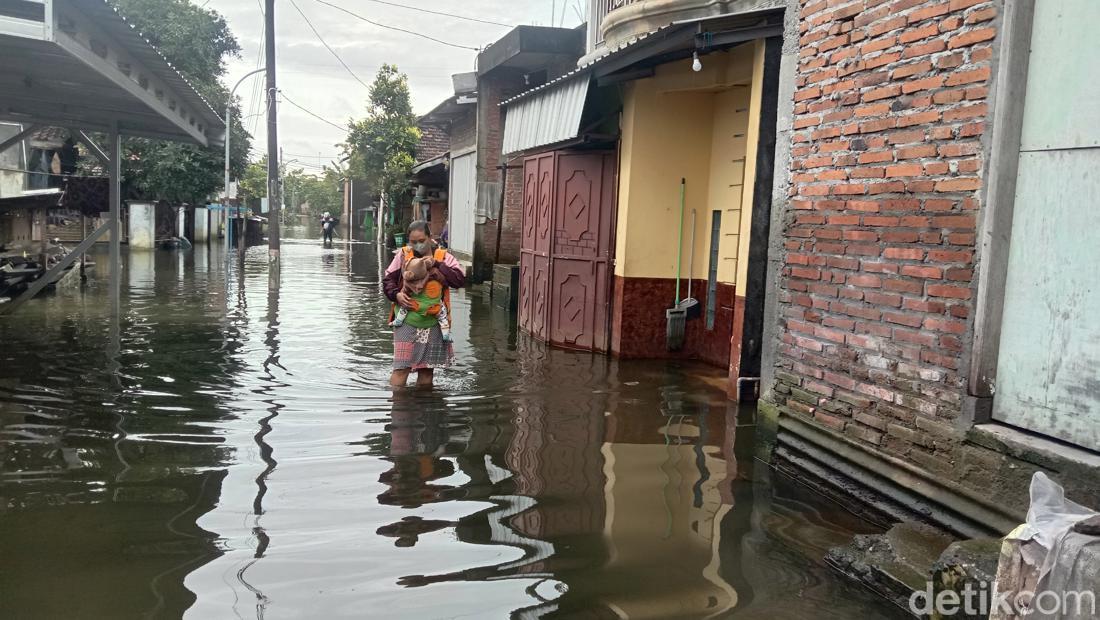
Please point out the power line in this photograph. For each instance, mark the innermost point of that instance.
(322, 40)
(420, 10)
(320, 118)
(412, 32)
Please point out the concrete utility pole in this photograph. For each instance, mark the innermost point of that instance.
(273, 158)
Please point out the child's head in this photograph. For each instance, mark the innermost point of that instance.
(416, 270)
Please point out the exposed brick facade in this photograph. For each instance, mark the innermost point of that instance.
(434, 140)
(875, 299)
(492, 90)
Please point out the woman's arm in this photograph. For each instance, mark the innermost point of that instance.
(451, 270)
(391, 282)
(391, 285)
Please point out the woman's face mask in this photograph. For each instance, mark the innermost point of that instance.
(422, 249)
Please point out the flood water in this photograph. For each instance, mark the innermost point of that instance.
(227, 449)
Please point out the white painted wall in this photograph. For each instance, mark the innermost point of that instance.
(1047, 377)
(143, 226)
(463, 204)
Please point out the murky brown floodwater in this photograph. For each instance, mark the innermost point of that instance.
(236, 453)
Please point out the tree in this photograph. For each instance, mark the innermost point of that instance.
(198, 42)
(382, 146)
(322, 193)
(252, 184)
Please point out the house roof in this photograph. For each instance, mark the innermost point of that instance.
(677, 36)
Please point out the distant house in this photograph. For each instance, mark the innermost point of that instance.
(483, 230)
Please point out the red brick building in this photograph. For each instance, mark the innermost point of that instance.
(900, 134)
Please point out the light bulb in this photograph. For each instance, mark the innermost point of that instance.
(696, 64)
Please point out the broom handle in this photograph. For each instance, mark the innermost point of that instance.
(691, 259)
(680, 239)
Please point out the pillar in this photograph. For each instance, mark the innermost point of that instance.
(181, 220)
(143, 225)
(202, 225)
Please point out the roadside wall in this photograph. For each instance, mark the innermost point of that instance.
(875, 293)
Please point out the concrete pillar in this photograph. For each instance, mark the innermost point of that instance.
(143, 225)
(181, 228)
(202, 225)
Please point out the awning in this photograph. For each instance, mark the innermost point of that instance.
(551, 117)
(551, 113)
(78, 63)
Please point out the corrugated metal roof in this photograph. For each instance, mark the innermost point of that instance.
(116, 24)
(554, 116)
(586, 67)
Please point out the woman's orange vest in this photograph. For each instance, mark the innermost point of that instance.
(440, 254)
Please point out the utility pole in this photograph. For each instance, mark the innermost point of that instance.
(273, 155)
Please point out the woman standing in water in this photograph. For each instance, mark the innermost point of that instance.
(420, 349)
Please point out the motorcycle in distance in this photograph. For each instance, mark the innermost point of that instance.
(328, 228)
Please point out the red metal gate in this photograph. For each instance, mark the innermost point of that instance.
(567, 243)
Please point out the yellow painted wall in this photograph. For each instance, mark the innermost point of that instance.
(727, 178)
(679, 537)
(682, 124)
(666, 137)
(750, 156)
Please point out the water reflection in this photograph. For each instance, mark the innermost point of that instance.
(244, 457)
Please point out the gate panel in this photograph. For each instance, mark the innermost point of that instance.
(565, 256)
(574, 294)
(535, 244)
(581, 252)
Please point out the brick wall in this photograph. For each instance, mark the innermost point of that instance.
(434, 140)
(464, 130)
(491, 91)
(876, 295)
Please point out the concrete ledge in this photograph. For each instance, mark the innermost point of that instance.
(889, 484)
(1034, 449)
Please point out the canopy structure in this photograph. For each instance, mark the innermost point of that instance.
(79, 64)
(553, 113)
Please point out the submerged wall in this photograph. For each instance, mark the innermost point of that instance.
(883, 171)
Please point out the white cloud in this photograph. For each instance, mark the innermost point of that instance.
(310, 75)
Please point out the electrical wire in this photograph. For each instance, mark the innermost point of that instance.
(412, 32)
(327, 46)
(320, 118)
(429, 11)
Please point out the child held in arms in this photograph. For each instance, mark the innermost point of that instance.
(424, 285)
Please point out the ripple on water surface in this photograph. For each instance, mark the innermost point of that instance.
(231, 449)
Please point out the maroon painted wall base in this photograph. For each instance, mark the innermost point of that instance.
(639, 325)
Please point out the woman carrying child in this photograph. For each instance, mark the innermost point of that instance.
(419, 342)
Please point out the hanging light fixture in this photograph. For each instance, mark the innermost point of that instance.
(696, 64)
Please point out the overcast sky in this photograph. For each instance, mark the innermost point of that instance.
(311, 77)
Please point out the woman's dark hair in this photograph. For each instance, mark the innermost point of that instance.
(422, 226)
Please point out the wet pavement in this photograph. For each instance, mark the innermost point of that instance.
(226, 449)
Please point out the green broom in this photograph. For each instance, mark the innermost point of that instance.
(677, 316)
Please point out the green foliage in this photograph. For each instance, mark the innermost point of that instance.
(382, 146)
(252, 183)
(197, 41)
(322, 193)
